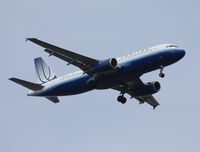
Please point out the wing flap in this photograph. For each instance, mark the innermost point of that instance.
(81, 61)
(148, 99)
(70, 60)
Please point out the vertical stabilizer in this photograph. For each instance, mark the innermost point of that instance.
(43, 71)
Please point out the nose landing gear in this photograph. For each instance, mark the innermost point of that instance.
(121, 99)
(161, 74)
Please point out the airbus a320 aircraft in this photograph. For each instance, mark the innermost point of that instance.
(121, 74)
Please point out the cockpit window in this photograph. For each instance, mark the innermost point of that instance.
(171, 45)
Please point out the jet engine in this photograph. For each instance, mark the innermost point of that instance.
(148, 89)
(104, 66)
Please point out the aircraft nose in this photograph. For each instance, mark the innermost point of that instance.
(180, 53)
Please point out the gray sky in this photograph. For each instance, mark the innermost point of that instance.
(95, 121)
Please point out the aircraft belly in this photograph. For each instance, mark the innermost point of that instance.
(73, 90)
(72, 87)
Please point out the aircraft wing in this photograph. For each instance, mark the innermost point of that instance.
(129, 88)
(81, 61)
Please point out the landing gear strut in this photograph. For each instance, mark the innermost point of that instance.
(161, 74)
(121, 99)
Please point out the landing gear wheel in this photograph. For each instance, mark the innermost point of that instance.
(121, 99)
(162, 75)
(124, 100)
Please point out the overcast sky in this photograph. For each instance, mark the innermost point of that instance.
(95, 121)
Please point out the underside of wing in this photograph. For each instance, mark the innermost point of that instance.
(81, 61)
(148, 99)
(131, 89)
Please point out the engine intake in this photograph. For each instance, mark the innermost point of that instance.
(148, 89)
(105, 65)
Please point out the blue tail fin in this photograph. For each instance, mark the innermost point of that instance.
(43, 71)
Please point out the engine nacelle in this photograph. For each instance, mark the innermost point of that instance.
(104, 66)
(148, 89)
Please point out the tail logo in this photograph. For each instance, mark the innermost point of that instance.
(43, 71)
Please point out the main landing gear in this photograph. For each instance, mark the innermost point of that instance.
(161, 74)
(121, 99)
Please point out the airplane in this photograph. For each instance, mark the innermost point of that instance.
(121, 73)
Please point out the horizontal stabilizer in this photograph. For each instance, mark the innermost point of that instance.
(53, 99)
(26, 84)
